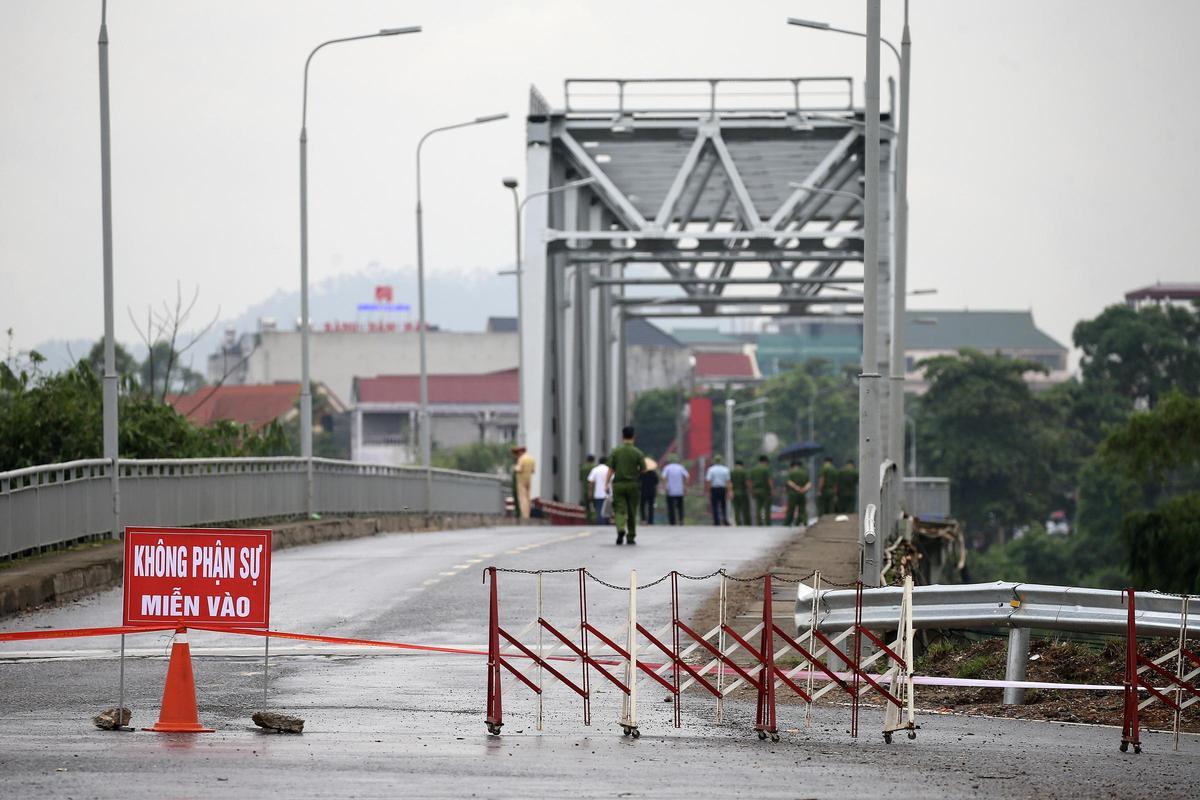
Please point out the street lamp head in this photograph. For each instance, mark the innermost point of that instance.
(510, 183)
(399, 31)
(579, 183)
(808, 23)
(491, 118)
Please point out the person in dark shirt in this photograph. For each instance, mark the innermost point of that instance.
(847, 488)
(649, 493)
(827, 486)
(797, 489)
(764, 487)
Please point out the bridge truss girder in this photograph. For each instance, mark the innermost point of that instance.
(688, 215)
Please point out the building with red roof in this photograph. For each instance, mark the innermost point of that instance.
(463, 409)
(253, 405)
(725, 368)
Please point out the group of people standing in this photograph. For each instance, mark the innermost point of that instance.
(837, 489)
(614, 487)
(623, 487)
(748, 492)
(672, 480)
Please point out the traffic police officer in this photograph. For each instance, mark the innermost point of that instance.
(827, 486)
(626, 465)
(847, 488)
(797, 486)
(764, 487)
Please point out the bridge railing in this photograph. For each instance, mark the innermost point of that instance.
(59, 503)
(707, 95)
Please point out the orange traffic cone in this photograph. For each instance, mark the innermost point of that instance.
(179, 714)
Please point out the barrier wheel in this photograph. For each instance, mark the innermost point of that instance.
(1124, 747)
(912, 734)
(1137, 748)
(762, 736)
(493, 729)
(887, 737)
(625, 730)
(774, 737)
(637, 734)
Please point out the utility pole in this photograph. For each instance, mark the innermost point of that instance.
(895, 448)
(868, 382)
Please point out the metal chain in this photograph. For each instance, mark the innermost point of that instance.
(781, 577)
(513, 571)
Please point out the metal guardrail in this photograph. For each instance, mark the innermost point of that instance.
(1019, 607)
(58, 503)
(997, 605)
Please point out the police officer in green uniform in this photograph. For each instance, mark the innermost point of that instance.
(764, 487)
(739, 483)
(626, 465)
(585, 496)
(847, 488)
(797, 487)
(827, 486)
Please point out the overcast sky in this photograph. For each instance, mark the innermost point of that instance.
(1054, 144)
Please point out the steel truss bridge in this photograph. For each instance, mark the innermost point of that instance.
(714, 197)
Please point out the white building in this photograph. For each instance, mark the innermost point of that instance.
(463, 408)
(337, 358)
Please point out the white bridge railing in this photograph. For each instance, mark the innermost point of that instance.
(58, 503)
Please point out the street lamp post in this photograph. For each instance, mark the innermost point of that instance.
(306, 444)
(895, 448)
(868, 383)
(423, 424)
(518, 206)
(109, 399)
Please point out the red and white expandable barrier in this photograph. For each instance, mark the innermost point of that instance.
(1140, 671)
(731, 654)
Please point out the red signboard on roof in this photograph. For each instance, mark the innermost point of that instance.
(201, 576)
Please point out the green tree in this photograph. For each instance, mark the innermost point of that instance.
(1164, 545)
(1143, 354)
(1035, 557)
(1098, 552)
(127, 366)
(493, 457)
(983, 427)
(655, 413)
(162, 374)
(832, 396)
(1158, 451)
(47, 419)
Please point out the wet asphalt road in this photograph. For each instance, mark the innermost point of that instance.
(388, 725)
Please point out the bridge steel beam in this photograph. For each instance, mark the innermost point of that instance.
(687, 210)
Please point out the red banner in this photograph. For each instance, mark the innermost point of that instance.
(208, 576)
(699, 433)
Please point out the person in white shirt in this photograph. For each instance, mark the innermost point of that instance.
(716, 483)
(675, 478)
(598, 481)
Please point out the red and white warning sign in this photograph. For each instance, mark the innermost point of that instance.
(203, 576)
